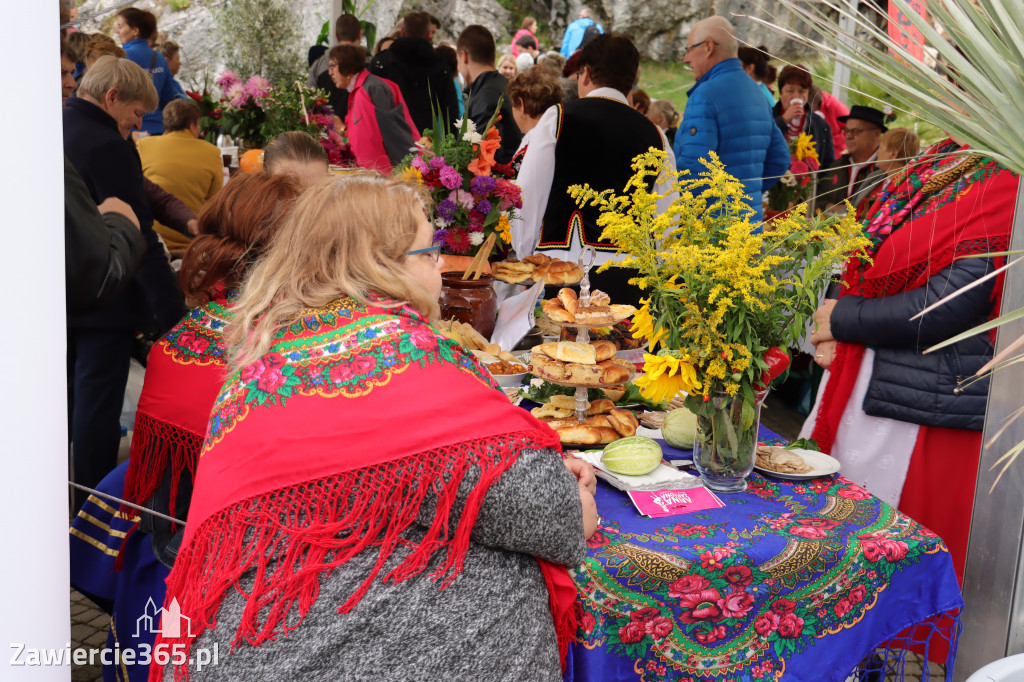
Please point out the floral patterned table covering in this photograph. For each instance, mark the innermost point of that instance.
(796, 581)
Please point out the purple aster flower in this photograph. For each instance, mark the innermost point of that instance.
(446, 209)
(437, 163)
(440, 235)
(483, 207)
(450, 178)
(482, 185)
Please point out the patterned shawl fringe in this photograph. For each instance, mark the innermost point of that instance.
(313, 527)
(157, 445)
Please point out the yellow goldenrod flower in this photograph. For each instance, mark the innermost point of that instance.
(504, 229)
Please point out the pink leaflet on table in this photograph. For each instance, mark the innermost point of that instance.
(658, 503)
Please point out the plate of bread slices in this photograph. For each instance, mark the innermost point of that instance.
(565, 310)
(507, 369)
(535, 268)
(571, 363)
(604, 423)
(795, 464)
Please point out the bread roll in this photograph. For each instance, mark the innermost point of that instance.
(623, 421)
(513, 266)
(598, 297)
(616, 361)
(604, 349)
(583, 435)
(598, 420)
(595, 315)
(563, 423)
(614, 375)
(572, 351)
(600, 406)
(607, 434)
(551, 303)
(588, 375)
(614, 393)
(560, 315)
(538, 259)
(568, 299)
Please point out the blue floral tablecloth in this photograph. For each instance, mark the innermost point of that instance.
(798, 581)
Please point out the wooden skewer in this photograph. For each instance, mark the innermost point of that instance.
(477, 266)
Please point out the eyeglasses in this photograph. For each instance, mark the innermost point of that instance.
(690, 47)
(854, 132)
(433, 252)
(332, 65)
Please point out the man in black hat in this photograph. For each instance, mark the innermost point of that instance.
(843, 178)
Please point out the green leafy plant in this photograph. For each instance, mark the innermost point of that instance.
(261, 37)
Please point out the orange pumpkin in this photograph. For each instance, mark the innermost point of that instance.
(251, 161)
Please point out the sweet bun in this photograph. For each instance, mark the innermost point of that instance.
(623, 421)
(551, 303)
(559, 315)
(584, 435)
(616, 361)
(572, 351)
(548, 349)
(549, 412)
(598, 420)
(614, 375)
(563, 423)
(607, 435)
(598, 297)
(568, 299)
(537, 259)
(600, 406)
(605, 349)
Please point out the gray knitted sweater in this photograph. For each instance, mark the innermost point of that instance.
(491, 623)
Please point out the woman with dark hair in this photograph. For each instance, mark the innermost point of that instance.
(380, 127)
(186, 369)
(134, 28)
(755, 65)
(297, 154)
(796, 111)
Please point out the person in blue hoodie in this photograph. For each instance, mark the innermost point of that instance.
(134, 27)
(576, 33)
(726, 113)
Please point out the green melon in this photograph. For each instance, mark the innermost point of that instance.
(680, 428)
(634, 456)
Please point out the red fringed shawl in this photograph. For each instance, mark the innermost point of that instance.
(943, 206)
(186, 369)
(345, 395)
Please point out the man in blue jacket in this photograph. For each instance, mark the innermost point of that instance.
(577, 30)
(727, 114)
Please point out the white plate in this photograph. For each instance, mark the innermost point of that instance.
(820, 463)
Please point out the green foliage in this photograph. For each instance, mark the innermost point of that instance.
(178, 5)
(261, 37)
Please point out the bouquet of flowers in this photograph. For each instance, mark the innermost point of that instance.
(210, 120)
(794, 187)
(722, 300)
(470, 202)
(243, 115)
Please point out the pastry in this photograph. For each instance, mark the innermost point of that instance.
(614, 393)
(616, 361)
(588, 375)
(548, 349)
(584, 435)
(605, 350)
(781, 460)
(568, 299)
(598, 297)
(597, 420)
(551, 304)
(623, 421)
(595, 314)
(571, 351)
(560, 315)
(621, 312)
(546, 368)
(600, 406)
(563, 423)
(614, 374)
(549, 411)
(537, 259)
(608, 435)
(564, 402)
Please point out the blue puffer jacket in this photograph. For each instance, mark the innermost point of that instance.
(155, 65)
(727, 113)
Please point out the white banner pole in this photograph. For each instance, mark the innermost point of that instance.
(34, 575)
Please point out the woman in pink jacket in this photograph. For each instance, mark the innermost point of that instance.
(380, 128)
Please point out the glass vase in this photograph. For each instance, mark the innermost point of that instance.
(725, 448)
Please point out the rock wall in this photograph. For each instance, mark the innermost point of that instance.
(659, 27)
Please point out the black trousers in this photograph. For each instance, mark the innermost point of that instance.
(98, 361)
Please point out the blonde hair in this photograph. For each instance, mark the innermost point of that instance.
(129, 79)
(665, 109)
(346, 236)
(902, 142)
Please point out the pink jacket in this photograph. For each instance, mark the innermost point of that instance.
(519, 34)
(380, 128)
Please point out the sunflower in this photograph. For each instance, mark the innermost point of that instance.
(643, 325)
(665, 376)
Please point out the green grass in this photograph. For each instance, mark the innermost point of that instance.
(671, 80)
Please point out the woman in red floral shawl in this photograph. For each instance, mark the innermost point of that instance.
(187, 366)
(368, 504)
(896, 418)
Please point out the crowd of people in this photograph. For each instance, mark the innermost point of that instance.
(297, 314)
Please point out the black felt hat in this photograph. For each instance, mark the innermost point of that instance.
(863, 113)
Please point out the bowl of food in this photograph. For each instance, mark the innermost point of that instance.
(508, 374)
